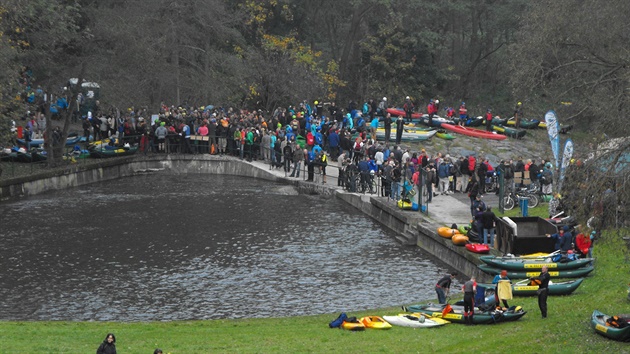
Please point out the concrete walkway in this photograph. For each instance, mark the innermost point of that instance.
(444, 209)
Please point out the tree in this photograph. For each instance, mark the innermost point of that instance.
(564, 55)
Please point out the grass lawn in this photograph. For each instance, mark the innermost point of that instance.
(567, 330)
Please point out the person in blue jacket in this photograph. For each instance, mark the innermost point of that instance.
(333, 144)
(564, 239)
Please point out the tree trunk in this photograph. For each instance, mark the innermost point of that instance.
(55, 152)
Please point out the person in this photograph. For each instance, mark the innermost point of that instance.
(469, 288)
(443, 174)
(28, 137)
(157, 351)
(431, 178)
(488, 119)
(161, 132)
(287, 153)
(310, 165)
(518, 112)
(488, 220)
(400, 125)
(473, 192)
(431, 110)
(373, 127)
(443, 287)
(564, 239)
(341, 165)
(463, 114)
(582, 241)
(322, 160)
(503, 289)
(543, 289)
(387, 124)
(408, 108)
(108, 346)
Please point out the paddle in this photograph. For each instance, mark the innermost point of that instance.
(447, 308)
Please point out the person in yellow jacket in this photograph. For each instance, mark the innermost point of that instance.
(503, 290)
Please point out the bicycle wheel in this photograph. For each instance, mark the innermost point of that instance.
(533, 200)
(373, 188)
(508, 203)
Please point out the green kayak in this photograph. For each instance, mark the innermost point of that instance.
(571, 273)
(599, 324)
(457, 314)
(523, 288)
(525, 123)
(516, 263)
(511, 132)
(442, 134)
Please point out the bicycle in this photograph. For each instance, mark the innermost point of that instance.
(509, 200)
(367, 182)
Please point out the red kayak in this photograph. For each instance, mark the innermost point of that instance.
(478, 247)
(474, 132)
(397, 112)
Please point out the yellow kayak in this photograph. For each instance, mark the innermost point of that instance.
(375, 322)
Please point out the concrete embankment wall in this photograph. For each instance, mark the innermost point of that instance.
(412, 228)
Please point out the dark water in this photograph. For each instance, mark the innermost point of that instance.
(173, 247)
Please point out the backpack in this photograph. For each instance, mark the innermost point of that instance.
(338, 321)
(617, 322)
(546, 178)
(452, 170)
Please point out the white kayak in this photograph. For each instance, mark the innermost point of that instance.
(415, 320)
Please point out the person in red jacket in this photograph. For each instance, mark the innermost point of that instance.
(488, 118)
(472, 162)
(431, 111)
(463, 114)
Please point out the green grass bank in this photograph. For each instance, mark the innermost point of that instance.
(567, 330)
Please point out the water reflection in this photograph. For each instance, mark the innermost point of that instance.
(172, 247)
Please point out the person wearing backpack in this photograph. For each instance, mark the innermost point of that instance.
(546, 179)
(287, 152)
(443, 174)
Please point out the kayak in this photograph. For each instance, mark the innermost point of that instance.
(415, 320)
(437, 121)
(405, 205)
(525, 123)
(463, 229)
(353, 326)
(73, 138)
(511, 132)
(513, 263)
(457, 314)
(399, 112)
(499, 121)
(442, 134)
(106, 153)
(478, 248)
(375, 322)
(541, 255)
(572, 273)
(408, 134)
(473, 132)
(474, 121)
(523, 288)
(601, 326)
(459, 239)
(447, 232)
